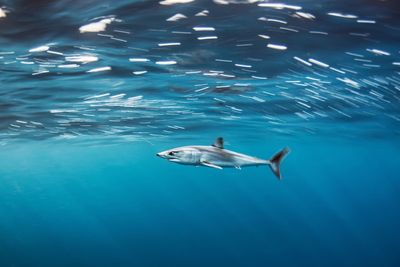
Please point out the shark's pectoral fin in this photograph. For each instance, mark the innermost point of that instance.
(208, 164)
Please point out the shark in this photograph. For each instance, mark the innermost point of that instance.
(216, 156)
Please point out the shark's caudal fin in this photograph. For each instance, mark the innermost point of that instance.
(275, 162)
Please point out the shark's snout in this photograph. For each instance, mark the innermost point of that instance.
(161, 155)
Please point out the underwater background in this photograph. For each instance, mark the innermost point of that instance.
(91, 90)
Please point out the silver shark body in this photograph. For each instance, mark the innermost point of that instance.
(215, 156)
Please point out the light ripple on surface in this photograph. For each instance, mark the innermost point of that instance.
(171, 69)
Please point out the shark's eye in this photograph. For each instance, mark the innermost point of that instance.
(171, 153)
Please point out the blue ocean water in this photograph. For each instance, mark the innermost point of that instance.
(92, 90)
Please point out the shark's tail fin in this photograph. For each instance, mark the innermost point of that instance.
(275, 162)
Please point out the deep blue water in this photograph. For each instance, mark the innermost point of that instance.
(92, 90)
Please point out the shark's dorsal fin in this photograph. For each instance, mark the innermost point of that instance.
(219, 142)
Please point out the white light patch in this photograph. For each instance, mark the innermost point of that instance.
(264, 36)
(359, 34)
(68, 66)
(99, 69)
(193, 72)
(54, 52)
(259, 77)
(174, 2)
(98, 26)
(180, 32)
(40, 72)
(318, 32)
(280, 6)
(349, 82)
(168, 62)
(341, 15)
(119, 96)
(319, 63)
(337, 70)
(140, 72)
(305, 15)
(277, 21)
(227, 2)
(303, 61)
(203, 13)
(366, 21)
(169, 44)
(288, 29)
(227, 75)
(63, 110)
(277, 47)
(207, 38)
(118, 39)
(138, 60)
(223, 60)
(242, 45)
(353, 54)
(243, 66)
(203, 29)
(221, 2)
(3, 13)
(82, 59)
(176, 17)
(379, 52)
(97, 96)
(42, 48)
